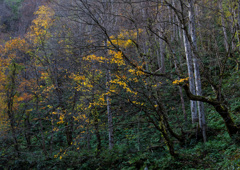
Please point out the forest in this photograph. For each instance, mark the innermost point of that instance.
(119, 84)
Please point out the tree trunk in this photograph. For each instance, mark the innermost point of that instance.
(223, 26)
(183, 104)
(191, 76)
(161, 61)
(162, 57)
(229, 123)
(202, 121)
(168, 141)
(232, 128)
(175, 60)
(110, 121)
(95, 115)
(180, 89)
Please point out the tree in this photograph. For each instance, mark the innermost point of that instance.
(202, 121)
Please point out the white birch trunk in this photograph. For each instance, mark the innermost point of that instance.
(107, 18)
(191, 76)
(202, 121)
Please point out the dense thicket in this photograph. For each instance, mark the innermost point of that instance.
(114, 84)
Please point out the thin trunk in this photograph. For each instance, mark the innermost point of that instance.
(202, 121)
(158, 55)
(236, 25)
(174, 22)
(162, 58)
(109, 113)
(199, 12)
(145, 47)
(223, 26)
(110, 121)
(95, 118)
(179, 25)
(161, 43)
(191, 77)
(170, 22)
(232, 25)
(177, 69)
(180, 89)
(183, 104)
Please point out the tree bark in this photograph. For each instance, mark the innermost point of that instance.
(191, 76)
(223, 26)
(202, 121)
(221, 108)
(161, 63)
(110, 121)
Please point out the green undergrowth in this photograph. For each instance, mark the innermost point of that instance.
(219, 152)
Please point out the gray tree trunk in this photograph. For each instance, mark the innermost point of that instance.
(175, 36)
(108, 8)
(110, 120)
(162, 57)
(180, 89)
(191, 76)
(202, 121)
(161, 62)
(223, 26)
